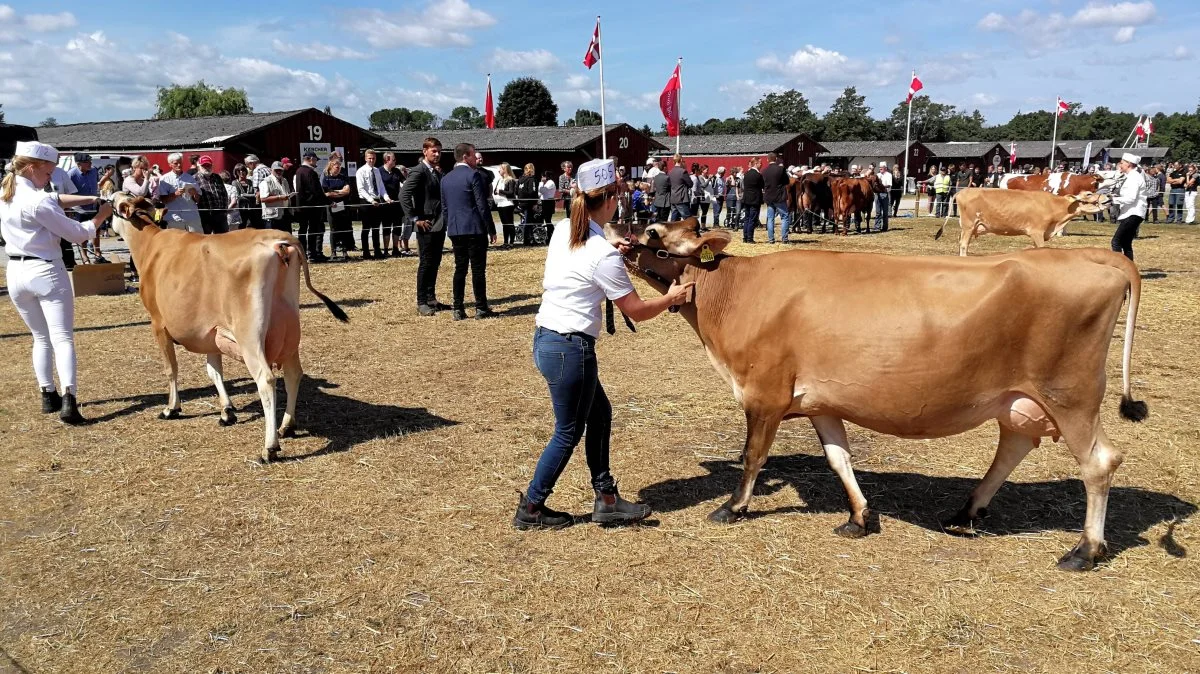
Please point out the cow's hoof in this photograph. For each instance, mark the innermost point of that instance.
(962, 524)
(1080, 559)
(723, 515)
(227, 418)
(287, 431)
(169, 414)
(269, 456)
(851, 530)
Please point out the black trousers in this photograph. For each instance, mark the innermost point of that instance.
(311, 232)
(370, 216)
(341, 231)
(391, 222)
(506, 219)
(1127, 231)
(470, 250)
(429, 248)
(895, 197)
(530, 220)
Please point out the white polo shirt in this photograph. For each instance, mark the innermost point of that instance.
(577, 281)
(34, 222)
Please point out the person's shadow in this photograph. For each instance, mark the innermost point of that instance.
(342, 421)
(923, 500)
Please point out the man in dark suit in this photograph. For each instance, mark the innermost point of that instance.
(775, 181)
(421, 198)
(660, 184)
(681, 191)
(469, 225)
(311, 197)
(752, 199)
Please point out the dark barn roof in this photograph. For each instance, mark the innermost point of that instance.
(522, 138)
(731, 144)
(1073, 149)
(193, 132)
(865, 148)
(971, 150)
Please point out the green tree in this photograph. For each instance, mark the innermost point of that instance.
(49, 121)
(929, 120)
(584, 118)
(526, 101)
(465, 117)
(646, 130)
(200, 100)
(787, 112)
(327, 110)
(401, 119)
(849, 118)
(963, 127)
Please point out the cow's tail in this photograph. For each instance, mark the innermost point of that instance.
(1133, 410)
(290, 254)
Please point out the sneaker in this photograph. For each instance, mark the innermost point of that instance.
(51, 401)
(101, 260)
(459, 315)
(426, 310)
(610, 508)
(481, 314)
(538, 516)
(70, 412)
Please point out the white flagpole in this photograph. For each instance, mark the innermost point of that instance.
(1054, 135)
(603, 127)
(679, 104)
(907, 128)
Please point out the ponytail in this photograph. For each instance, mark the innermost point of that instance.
(8, 187)
(582, 205)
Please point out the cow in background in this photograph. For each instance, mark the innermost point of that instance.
(1038, 215)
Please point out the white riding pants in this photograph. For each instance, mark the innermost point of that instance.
(1189, 206)
(42, 293)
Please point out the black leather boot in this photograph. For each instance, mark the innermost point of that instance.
(70, 412)
(51, 401)
(538, 516)
(610, 508)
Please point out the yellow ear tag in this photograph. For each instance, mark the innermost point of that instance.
(706, 254)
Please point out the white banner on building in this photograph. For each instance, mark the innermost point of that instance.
(322, 151)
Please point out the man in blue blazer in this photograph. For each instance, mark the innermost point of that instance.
(469, 225)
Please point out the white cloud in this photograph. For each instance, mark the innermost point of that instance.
(993, 22)
(578, 81)
(48, 23)
(1181, 53)
(536, 61)
(747, 92)
(14, 26)
(983, 100)
(441, 101)
(443, 23)
(1124, 34)
(316, 51)
(1116, 14)
(429, 79)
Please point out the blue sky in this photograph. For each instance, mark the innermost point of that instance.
(86, 62)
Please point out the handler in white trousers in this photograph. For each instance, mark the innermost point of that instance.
(34, 224)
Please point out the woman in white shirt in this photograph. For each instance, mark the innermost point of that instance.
(503, 192)
(1130, 201)
(33, 224)
(583, 268)
(547, 191)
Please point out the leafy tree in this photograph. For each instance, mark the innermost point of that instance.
(49, 121)
(200, 100)
(929, 120)
(785, 112)
(401, 119)
(465, 117)
(327, 110)
(963, 127)
(849, 119)
(646, 129)
(526, 101)
(584, 118)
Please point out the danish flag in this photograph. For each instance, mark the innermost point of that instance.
(1012, 153)
(913, 88)
(593, 52)
(1062, 107)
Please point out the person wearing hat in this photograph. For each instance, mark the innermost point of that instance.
(256, 171)
(1130, 201)
(213, 201)
(718, 188)
(179, 193)
(33, 223)
(311, 199)
(274, 195)
(583, 268)
(883, 198)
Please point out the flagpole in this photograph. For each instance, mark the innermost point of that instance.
(907, 128)
(603, 127)
(679, 103)
(1054, 134)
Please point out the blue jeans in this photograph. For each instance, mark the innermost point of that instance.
(733, 214)
(716, 209)
(680, 212)
(568, 363)
(749, 221)
(1175, 205)
(882, 208)
(782, 210)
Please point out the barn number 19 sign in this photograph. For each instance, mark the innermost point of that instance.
(315, 133)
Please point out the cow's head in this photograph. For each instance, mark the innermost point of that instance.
(1087, 203)
(134, 212)
(661, 251)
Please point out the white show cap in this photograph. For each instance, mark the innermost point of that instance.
(882, 164)
(36, 150)
(1131, 158)
(854, 167)
(597, 173)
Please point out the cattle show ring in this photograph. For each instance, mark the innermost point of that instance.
(947, 444)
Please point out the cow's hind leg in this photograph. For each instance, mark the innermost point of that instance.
(1098, 460)
(1010, 451)
(264, 378)
(832, 433)
(760, 434)
(217, 375)
(291, 382)
(167, 346)
(968, 233)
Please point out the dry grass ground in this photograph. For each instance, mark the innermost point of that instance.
(383, 542)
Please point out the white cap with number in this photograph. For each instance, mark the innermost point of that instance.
(597, 173)
(36, 150)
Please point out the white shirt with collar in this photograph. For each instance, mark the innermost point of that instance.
(370, 184)
(577, 280)
(34, 223)
(1130, 199)
(885, 178)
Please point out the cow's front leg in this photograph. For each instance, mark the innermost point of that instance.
(291, 383)
(217, 375)
(167, 346)
(832, 433)
(760, 434)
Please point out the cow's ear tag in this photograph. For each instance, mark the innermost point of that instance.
(706, 254)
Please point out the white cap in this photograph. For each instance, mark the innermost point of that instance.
(854, 167)
(1129, 157)
(882, 164)
(720, 169)
(596, 173)
(651, 160)
(36, 150)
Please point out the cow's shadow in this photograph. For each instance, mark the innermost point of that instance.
(342, 421)
(923, 500)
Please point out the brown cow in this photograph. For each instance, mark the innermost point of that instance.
(971, 340)
(853, 196)
(809, 198)
(1062, 182)
(1038, 215)
(236, 294)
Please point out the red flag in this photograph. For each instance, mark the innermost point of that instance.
(913, 88)
(1140, 129)
(668, 102)
(489, 112)
(1012, 153)
(593, 52)
(1062, 107)
(1148, 126)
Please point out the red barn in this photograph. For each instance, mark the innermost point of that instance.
(227, 139)
(734, 150)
